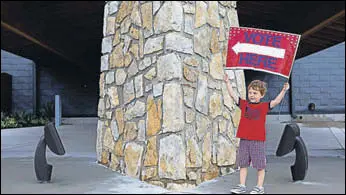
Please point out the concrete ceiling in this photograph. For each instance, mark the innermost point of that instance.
(69, 33)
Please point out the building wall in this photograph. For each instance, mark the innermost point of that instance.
(78, 96)
(320, 79)
(79, 93)
(22, 71)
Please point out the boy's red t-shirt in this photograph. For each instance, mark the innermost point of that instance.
(252, 120)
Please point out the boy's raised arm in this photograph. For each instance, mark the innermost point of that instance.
(278, 98)
(230, 90)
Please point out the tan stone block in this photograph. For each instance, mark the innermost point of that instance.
(124, 10)
(108, 140)
(190, 74)
(224, 55)
(125, 26)
(116, 39)
(201, 41)
(173, 108)
(131, 131)
(110, 25)
(134, 50)
(193, 156)
(199, 176)
(100, 108)
(135, 15)
(215, 136)
(114, 164)
(203, 124)
(107, 101)
(215, 102)
(102, 84)
(213, 14)
(206, 152)
(192, 61)
(127, 59)
(232, 16)
(222, 31)
(190, 115)
(153, 117)
(134, 33)
(133, 158)
(113, 95)
(159, 108)
(141, 44)
(230, 131)
(216, 68)
(172, 157)
(226, 152)
(236, 114)
(157, 183)
(117, 56)
(151, 74)
(151, 157)
(149, 173)
(104, 157)
(201, 14)
(147, 16)
(192, 175)
(227, 101)
(222, 125)
(119, 116)
(119, 147)
(214, 43)
(211, 173)
(169, 17)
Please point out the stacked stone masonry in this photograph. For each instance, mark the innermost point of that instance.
(165, 116)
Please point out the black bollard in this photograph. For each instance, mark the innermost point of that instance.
(51, 138)
(290, 140)
(300, 166)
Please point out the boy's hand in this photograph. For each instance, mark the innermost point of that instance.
(225, 78)
(286, 86)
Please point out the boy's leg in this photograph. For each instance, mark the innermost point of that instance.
(242, 161)
(243, 174)
(260, 177)
(257, 155)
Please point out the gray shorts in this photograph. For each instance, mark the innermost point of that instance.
(251, 151)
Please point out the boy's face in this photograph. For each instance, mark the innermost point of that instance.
(254, 95)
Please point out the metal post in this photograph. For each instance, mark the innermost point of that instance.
(57, 111)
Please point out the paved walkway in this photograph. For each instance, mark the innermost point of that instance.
(78, 172)
(322, 138)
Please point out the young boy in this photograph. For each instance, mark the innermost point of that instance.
(251, 131)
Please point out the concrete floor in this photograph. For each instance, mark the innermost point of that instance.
(78, 172)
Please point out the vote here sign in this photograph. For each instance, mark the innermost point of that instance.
(262, 50)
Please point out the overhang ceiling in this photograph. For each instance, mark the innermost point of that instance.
(321, 24)
(69, 33)
(54, 33)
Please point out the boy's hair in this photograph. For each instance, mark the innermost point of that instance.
(259, 86)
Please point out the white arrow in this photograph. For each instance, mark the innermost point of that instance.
(259, 49)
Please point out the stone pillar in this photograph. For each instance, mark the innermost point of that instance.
(165, 116)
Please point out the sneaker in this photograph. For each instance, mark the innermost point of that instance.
(257, 190)
(239, 189)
